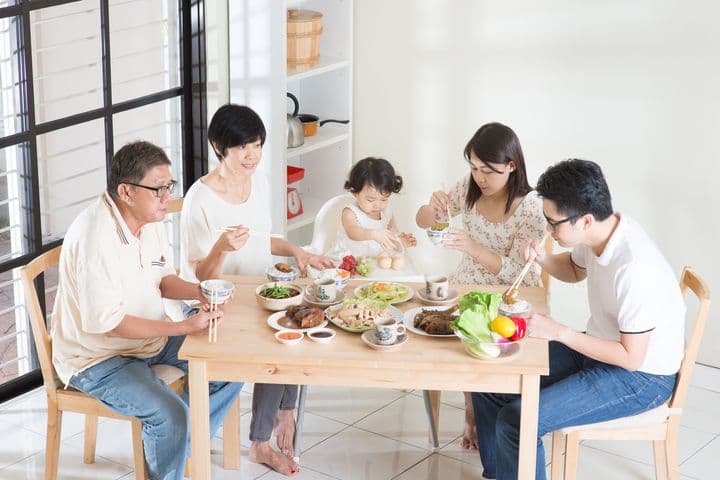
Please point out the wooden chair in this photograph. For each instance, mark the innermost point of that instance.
(659, 425)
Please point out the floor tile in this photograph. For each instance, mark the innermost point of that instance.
(348, 405)
(452, 398)
(689, 443)
(441, 467)
(706, 377)
(18, 444)
(305, 474)
(30, 413)
(405, 420)
(701, 410)
(114, 442)
(357, 454)
(704, 464)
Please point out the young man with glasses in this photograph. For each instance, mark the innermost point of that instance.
(627, 360)
(109, 321)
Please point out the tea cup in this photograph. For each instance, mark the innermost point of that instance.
(387, 331)
(436, 287)
(324, 289)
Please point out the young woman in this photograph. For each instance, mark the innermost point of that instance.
(500, 215)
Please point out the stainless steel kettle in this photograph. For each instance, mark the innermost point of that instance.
(295, 134)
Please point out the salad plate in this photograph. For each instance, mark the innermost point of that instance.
(390, 292)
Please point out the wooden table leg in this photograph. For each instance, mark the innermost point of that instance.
(529, 406)
(231, 437)
(199, 419)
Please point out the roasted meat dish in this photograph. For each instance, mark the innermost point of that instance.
(302, 316)
(434, 322)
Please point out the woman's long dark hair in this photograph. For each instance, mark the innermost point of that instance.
(495, 143)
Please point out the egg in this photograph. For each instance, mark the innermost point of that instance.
(384, 262)
(398, 262)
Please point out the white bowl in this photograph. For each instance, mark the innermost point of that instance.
(436, 236)
(216, 290)
(297, 337)
(277, 304)
(278, 276)
(329, 332)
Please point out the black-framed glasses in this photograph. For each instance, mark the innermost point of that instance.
(554, 225)
(159, 191)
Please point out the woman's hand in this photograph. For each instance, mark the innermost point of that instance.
(233, 240)
(534, 251)
(440, 201)
(458, 239)
(541, 326)
(408, 239)
(304, 259)
(199, 322)
(386, 239)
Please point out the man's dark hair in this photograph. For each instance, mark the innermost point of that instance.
(234, 126)
(577, 187)
(496, 144)
(131, 163)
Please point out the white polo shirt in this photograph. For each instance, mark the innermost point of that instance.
(632, 289)
(105, 273)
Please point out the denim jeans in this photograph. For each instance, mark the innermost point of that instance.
(578, 391)
(128, 386)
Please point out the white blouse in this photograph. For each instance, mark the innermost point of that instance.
(362, 248)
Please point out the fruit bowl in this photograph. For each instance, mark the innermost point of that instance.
(498, 349)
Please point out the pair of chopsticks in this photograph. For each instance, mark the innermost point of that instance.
(212, 327)
(442, 187)
(523, 272)
(231, 229)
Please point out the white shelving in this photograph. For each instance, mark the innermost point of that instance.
(327, 135)
(327, 64)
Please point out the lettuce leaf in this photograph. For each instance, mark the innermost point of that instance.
(481, 302)
(473, 325)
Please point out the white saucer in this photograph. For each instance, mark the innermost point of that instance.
(312, 300)
(452, 297)
(370, 339)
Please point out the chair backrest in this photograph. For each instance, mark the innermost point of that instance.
(327, 223)
(28, 274)
(691, 281)
(175, 205)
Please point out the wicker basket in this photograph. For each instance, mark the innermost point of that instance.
(303, 38)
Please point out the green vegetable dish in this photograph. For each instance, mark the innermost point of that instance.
(278, 292)
(385, 292)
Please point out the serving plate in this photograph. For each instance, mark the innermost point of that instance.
(273, 319)
(409, 322)
(330, 314)
(360, 291)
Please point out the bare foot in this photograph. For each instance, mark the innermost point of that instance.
(261, 452)
(469, 439)
(285, 431)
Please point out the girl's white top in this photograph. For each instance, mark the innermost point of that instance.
(361, 248)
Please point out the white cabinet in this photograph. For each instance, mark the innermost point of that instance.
(260, 79)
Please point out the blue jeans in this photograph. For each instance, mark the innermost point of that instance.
(578, 391)
(128, 386)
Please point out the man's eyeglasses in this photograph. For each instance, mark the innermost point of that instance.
(159, 191)
(557, 223)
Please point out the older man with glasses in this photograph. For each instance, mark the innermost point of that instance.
(109, 320)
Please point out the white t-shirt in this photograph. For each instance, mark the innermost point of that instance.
(106, 273)
(198, 238)
(632, 289)
(362, 248)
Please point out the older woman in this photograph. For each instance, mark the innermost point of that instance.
(231, 193)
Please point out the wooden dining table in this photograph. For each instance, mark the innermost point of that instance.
(247, 351)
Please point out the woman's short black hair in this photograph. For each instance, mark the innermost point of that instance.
(495, 143)
(375, 172)
(232, 126)
(577, 187)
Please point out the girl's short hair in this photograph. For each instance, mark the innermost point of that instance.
(375, 172)
(495, 143)
(232, 126)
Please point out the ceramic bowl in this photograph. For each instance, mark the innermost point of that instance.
(289, 337)
(276, 275)
(436, 236)
(277, 304)
(217, 291)
(342, 277)
(321, 335)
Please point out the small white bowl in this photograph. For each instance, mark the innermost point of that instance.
(328, 335)
(276, 275)
(297, 337)
(216, 290)
(436, 236)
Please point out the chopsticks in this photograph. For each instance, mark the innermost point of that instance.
(252, 233)
(212, 327)
(522, 274)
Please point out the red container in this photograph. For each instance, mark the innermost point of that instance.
(294, 174)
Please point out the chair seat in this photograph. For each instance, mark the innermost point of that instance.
(649, 417)
(168, 373)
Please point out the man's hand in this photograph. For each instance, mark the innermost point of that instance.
(534, 251)
(541, 326)
(199, 323)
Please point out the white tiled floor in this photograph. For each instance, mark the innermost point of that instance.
(360, 434)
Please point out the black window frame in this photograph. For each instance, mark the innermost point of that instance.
(192, 92)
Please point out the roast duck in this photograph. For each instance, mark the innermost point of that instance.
(302, 316)
(435, 322)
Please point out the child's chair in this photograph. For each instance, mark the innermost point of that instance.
(327, 223)
(660, 424)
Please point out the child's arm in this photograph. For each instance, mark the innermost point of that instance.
(356, 232)
(408, 239)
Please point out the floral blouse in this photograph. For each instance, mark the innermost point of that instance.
(507, 239)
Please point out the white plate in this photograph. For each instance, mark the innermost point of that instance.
(370, 340)
(411, 292)
(394, 312)
(452, 298)
(409, 321)
(310, 298)
(272, 321)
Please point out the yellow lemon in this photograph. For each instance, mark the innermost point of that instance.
(503, 325)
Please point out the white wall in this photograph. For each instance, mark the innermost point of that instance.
(633, 86)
